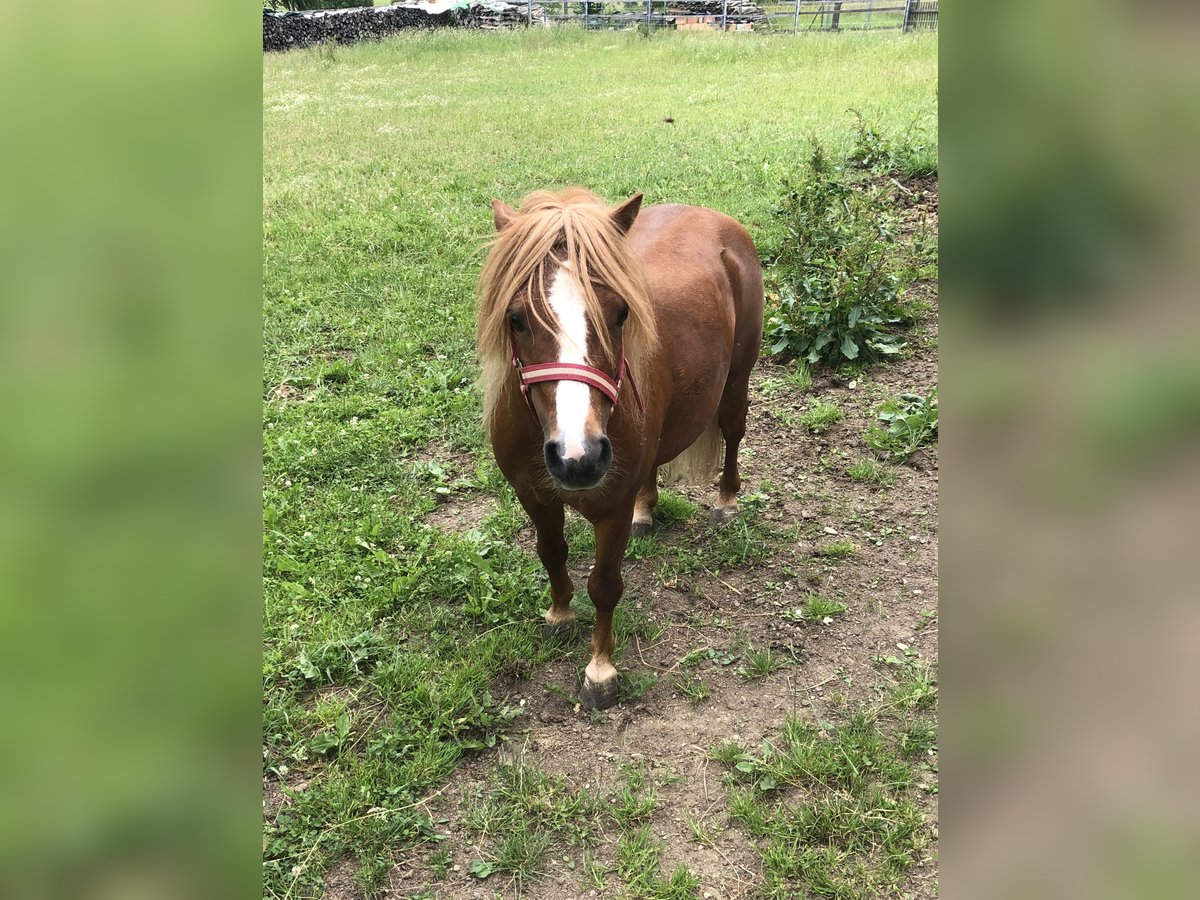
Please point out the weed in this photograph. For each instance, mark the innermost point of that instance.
(710, 654)
(699, 831)
(836, 550)
(820, 417)
(917, 687)
(674, 508)
(637, 858)
(681, 885)
(635, 685)
(797, 378)
(918, 690)
(636, 799)
(918, 740)
(520, 852)
(695, 688)
(760, 664)
(840, 279)
(742, 541)
(728, 753)
(439, 862)
(638, 862)
(785, 417)
(871, 472)
(816, 609)
(910, 421)
(904, 155)
(593, 872)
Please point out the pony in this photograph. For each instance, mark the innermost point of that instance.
(613, 342)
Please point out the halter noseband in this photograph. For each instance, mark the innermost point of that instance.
(562, 371)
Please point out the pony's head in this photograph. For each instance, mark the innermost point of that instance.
(561, 286)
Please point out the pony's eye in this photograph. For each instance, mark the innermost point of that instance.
(622, 316)
(517, 323)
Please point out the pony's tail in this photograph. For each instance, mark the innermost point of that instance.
(699, 462)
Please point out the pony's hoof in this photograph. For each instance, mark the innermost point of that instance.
(641, 529)
(723, 514)
(598, 696)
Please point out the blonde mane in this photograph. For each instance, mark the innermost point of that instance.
(577, 228)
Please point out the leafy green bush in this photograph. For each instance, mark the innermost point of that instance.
(839, 277)
(910, 420)
(904, 155)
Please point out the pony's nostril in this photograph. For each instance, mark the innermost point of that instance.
(605, 457)
(553, 456)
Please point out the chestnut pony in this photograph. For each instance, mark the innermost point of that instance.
(613, 343)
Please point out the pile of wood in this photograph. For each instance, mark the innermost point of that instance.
(738, 10)
(497, 14)
(286, 31)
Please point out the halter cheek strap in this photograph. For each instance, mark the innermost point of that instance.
(561, 371)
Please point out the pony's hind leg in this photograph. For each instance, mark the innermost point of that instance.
(552, 551)
(731, 419)
(643, 509)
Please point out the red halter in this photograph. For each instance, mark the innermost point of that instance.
(561, 371)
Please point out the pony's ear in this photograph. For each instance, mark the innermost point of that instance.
(624, 214)
(502, 214)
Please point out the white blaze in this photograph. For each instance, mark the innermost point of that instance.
(572, 399)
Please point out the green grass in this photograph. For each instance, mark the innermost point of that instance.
(383, 635)
(636, 799)
(638, 863)
(759, 664)
(522, 815)
(694, 687)
(816, 609)
(822, 416)
(870, 471)
(797, 377)
(837, 550)
(830, 807)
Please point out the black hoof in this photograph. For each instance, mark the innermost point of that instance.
(641, 529)
(598, 696)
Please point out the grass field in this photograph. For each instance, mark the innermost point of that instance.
(391, 644)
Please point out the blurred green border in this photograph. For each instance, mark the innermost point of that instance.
(130, 523)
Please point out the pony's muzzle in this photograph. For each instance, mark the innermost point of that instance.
(578, 473)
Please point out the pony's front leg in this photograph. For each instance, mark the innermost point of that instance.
(605, 586)
(552, 551)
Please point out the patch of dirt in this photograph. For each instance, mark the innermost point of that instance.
(274, 799)
(345, 354)
(890, 588)
(461, 513)
(288, 392)
(339, 880)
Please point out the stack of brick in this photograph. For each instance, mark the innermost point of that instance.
(707, 23)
